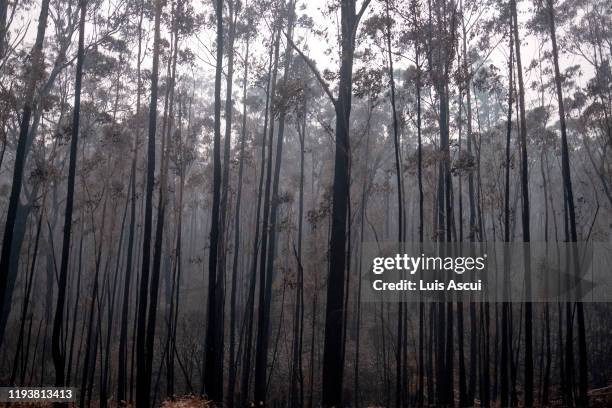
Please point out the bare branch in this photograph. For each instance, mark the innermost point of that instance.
(314, 70)
(362, 10)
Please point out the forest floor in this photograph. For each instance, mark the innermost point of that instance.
(598, 398)
(601, 397)
(188, 401)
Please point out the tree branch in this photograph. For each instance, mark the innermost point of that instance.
(362, 10)
(314, 70)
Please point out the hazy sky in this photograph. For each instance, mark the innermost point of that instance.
(202, 44)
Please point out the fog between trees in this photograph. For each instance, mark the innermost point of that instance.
(186, 187)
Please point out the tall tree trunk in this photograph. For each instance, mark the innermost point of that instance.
(166, 133)
(545, 396)
(3, 15)
(75, 309)
(175, 285)
(249, 315)
(366, 181)
(420, 397)
(36, 71)
(143, 379)
(91, 339)
(528, 386)
(111, 294)
(399, 378)
(333, 368)
(122, 355)
(261, 352)
(26, 301)
(225, 188)
(264, 315)
(59, 360)
(583, 398)
(232, 341)
(297, 382)
(213, 378)
(506, 334)
(467, 72)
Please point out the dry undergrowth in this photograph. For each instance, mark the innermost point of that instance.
(598, 398)
(187, 402)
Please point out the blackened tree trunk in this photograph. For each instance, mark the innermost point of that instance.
(545, 376)
(399, 378)
(57, 351)
(232, 340)
(213, 378)
(528, 386)
(333, 367)
(111, 294)
(75, 308)
(175, 284)
(467, 72)
(143, 379)
(506, 334)
(161, 205)
(3, 15)
(583, 398)
(249, 315)
(420, 397)
(264, 315)
(463, 396)
(261, 350)
(225, 181)
(36, 71)
(89, 357)
(297, 383)
(26, 300)
(122, 355)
